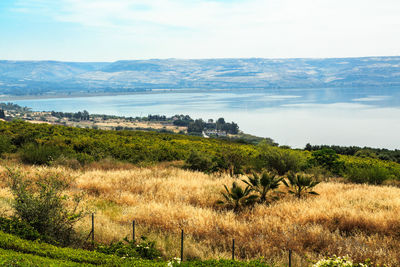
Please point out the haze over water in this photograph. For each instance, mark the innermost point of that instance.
(294, 117)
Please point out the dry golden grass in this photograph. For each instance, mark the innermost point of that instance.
(357, 220)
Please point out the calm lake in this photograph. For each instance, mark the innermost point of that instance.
(294, 117)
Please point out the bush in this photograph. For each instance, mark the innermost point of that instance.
(19, 228)
(232, 160)
(14, 244)
(237, 198)
(300, 185)
(219, 263)
(67, 162)
(328, 159)
(339, 262)
(42, 205)
(199, 162)
(5, 144)
(372, 174)
(39, 154)
(366, 153)
(265, 185)
(17, 252)
(280, 160)
(84, 158)
(131, 249)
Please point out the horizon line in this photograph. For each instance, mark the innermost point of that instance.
(182, 59)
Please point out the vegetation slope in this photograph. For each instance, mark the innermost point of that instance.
(126, 176)
(345, 219)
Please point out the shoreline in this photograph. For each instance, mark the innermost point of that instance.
(5, 98)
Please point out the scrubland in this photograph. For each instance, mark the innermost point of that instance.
(344, 219)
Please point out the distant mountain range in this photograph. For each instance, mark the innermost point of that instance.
(52, 77)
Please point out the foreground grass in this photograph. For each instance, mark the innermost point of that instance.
(346, 219)
(14, 258)
(18, 252)
(13, 245)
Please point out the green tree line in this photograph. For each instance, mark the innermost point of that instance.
(45, 144)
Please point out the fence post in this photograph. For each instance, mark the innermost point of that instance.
(290, 258)
(182, 245)
(233, 249)
(133, 230)
(93, 230)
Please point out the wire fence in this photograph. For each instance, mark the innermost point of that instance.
(182, 236)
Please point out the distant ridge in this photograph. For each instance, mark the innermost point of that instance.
(55, 77)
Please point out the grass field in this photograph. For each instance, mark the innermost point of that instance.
(15, 251)
(345, 219)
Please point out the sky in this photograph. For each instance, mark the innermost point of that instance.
(110, 30)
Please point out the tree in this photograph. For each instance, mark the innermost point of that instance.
(85, 115)
(196, 127)
(221, 121)
(231, 128)
(308, 147)
(2, 114)
(264, 184)
(237, 198)
(300, 185)
(328, 159)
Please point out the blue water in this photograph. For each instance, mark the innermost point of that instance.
(341, 116)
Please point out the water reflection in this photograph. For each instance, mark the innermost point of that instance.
(342, 116)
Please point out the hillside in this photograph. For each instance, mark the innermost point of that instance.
(56, 144)
(347, 205)
(345, 219)
(51, 77)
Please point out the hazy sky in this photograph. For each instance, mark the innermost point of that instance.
(108, 30)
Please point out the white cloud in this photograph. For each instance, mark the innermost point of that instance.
(240, 28)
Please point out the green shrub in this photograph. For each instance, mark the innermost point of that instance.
(6, 145)
(198, 161)
(366, 153)
(14, 244)
(67, 162)
(372, 174)
(264, 185)
(219, 263)
(300, 185)
(88, 145)
(280, 160)
(328, 159)
(84, 158)
(237, 198)
(339, 262)
(131, 249)
(15, 251)
(18, 228)
(230, 159)
(39, 154)
(42, 205)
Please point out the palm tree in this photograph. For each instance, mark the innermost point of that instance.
(236, 197)
(300, 185)
(264, 184)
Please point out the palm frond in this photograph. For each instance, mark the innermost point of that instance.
(300, 184)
